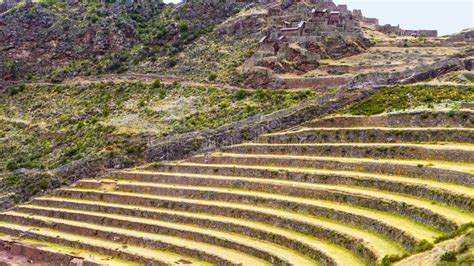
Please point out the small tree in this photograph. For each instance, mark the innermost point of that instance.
(212, 77)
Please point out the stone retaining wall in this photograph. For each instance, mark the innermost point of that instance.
(418, 214)
(420, 73)
(414, 171)
(13, 252)
(453, 199)
(369, 135)
(186, 145)
(112, 236)
(317, 83)
(412, 119)
(215, 224)
(85, 246)
(380, 227)
(151, 228)
(354, 151)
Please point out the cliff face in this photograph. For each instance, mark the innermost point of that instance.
(42, 37)
(50, 35)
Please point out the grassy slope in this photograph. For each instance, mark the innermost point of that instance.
(44, 127)
(401, 98)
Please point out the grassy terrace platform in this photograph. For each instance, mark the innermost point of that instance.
(445, 212)
(129, 252)
(245, 244)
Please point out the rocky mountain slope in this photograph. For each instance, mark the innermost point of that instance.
(338, 141)
(67, 36)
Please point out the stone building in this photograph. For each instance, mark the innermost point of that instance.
(428, 33)
(299, 26)
(397, 31)
(389, 29)
(357, 15)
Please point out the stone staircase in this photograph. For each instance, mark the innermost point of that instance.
(334, 191)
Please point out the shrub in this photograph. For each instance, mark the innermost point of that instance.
(449, 256)
(424, 245)
(16, 89)
(12, 180)
(172, 62)
(241, 94)
(389, 259)
(183, 26)
(157, 84)
(43, 185)
(48, 3)
(163, 93)
(212, 76)
(93, 18)
(12, 165)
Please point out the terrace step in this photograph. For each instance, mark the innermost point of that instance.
(262, 249)
(395, 227)
(315, 83)
(414, 119)
(21, 251)
(370, 135)
(53, 238)
(461, 174)
(451, 194)
(369, 245)
(437, 215)
(441, 152)
(206, 252)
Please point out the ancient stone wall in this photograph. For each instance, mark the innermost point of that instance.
(396, 30)
(183, 146)
(428, 33)
(389, 29)
(317, 83)
(301, 32)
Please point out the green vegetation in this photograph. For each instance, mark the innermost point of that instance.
(463, 255)
(462, 230)
(424, 245)
(389, 259)
(48, 126)
(163, 36)
(214, 56)
(8, 68)
(49, 3)
(400, 98)
(449, 256)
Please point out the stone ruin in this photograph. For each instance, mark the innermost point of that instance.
(302, 33)
(357, 15)
(397, 31)
(305, 22)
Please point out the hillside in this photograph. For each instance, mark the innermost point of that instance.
(134, 132)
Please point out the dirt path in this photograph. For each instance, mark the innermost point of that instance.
(131, 77)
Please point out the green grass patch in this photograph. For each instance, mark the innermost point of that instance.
(424, 245)
(400, 98)
(70, 122)
(463, 229)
